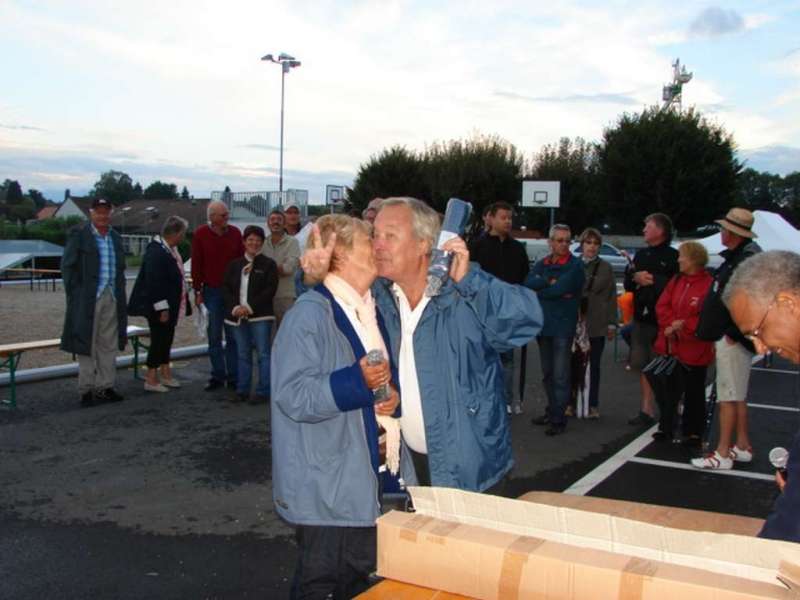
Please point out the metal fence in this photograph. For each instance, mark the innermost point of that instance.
(244, 205)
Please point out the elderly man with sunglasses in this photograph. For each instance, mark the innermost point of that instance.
(763, 297)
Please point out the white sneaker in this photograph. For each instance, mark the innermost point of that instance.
(508, 409)
(713, 462)
(516, 408)
(740, 455)
(149, 387)
(171, 383)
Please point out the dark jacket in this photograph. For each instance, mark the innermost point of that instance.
(505, 259)
(260, 290)
(715, 320)
(783, 522)
(560, 299)
(80, 270)
(159, 280)
(601, 310)
(662, 263)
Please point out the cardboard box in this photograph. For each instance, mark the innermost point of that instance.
(496, 548)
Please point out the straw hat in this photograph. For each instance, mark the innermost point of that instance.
(738, 221)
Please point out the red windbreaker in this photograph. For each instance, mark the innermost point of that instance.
(682, 300)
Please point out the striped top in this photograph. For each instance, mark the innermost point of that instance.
(108, 261)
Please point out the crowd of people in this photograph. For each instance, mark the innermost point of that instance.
(373, 384)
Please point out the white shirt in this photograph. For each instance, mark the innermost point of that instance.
(411, 421)
(245, 282)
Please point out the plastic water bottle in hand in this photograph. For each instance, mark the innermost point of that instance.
(455, 222)
(375, 357)
(778, 457)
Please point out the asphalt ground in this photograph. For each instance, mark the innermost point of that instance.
(169, 496)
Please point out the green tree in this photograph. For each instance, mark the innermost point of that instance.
(759, 190)
(158, 190)
(667, 161)
(38, 198)
(13, 192)
(480, 170)
(115, 186)
(184, 193)
(137, 191)
(574, 164)
(396, 171)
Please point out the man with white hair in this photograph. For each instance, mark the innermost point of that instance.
(448, 346)
(763, 297)
(213, 247)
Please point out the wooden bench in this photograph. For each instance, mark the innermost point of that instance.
(10, 355)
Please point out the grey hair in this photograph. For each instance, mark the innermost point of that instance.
(212, 205)
(558, 227)
(425, 222)
(763, 276)
(174, 224)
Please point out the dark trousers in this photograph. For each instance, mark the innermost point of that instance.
(595, 356)
(333, 562)
(691, 387)
(161, 336)
(694, 402)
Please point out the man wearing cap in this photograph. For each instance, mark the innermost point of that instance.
(285, 251)
(96, 318)
(734, 352)
(292, 213)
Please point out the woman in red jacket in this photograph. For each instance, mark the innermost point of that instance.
(678, 312)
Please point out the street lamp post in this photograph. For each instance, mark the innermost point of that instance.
(287, 63)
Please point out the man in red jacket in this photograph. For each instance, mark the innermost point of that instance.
(213, 247)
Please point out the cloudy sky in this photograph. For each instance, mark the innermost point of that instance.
(176, 91)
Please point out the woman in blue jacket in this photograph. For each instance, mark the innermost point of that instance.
(325, 448)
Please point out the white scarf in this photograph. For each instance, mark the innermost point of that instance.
(364, 307)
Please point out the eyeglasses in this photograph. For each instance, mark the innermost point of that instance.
(756, 335)
(561, 240)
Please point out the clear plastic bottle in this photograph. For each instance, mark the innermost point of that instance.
(455, 222)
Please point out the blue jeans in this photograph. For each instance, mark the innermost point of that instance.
(248, 336)
(555, 354)
(595, 355)
(220, 359)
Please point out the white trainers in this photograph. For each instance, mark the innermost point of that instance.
(516, 408)
(713, 462)
(171, 383)
(508, 409)
(149, 387)
(741, 455)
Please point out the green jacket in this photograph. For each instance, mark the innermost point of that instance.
(80, 266)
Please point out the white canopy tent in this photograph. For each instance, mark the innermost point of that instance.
(773, 231)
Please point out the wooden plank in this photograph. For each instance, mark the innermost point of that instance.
(8, 349)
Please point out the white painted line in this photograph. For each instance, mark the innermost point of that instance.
(585, 484)
(771, 370)
(688, 467)
(773, 407)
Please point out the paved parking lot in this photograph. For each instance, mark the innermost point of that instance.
(169, 496)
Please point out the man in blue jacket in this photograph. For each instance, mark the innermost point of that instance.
(558, 281)
(454, 421)
(763, 297)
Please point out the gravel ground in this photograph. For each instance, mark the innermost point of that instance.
(29, 316)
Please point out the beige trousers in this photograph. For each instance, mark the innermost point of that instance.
(281, 305)
(97, 372)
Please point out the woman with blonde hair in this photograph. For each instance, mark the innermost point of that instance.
(678, 313)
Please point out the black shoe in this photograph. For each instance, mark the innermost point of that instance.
(231, 385)
(692, 441)
(555, 430)
(239, 398)
(87, 399)
(212, 385)
(642, 419)
(259, 399)
(109, 395)
(543, 420)
(659, 436)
